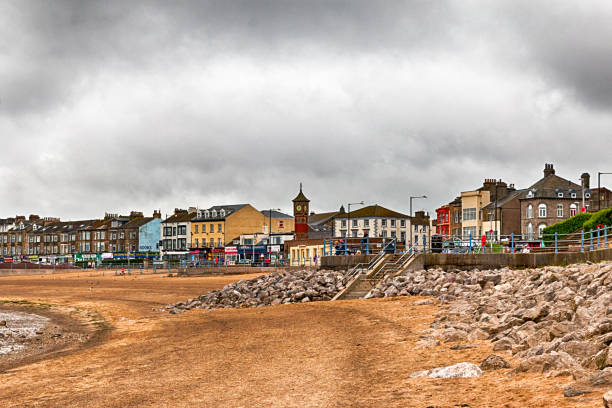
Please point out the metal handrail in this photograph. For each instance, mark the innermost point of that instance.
(406, 256)
(359, 267)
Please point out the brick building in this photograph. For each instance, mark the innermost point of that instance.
(550, 200)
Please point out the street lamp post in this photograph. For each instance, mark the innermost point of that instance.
(348, 225)
(270, 234)
(410, 231)
(599, 173)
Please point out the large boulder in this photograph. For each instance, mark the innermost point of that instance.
(460, 370)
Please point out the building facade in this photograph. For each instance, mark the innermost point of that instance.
(550, 200)
(373, 221)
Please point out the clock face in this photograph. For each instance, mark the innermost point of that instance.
(298, 207)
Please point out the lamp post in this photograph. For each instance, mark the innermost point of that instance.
(348, 225)
(410, 231)
(270, 233)
(599, 173)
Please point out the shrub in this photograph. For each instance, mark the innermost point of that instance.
(603, 217)
(564, 228)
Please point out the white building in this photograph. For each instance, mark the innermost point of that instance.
(374, 221)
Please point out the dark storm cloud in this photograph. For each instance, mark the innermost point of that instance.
(567, 42)
(112, 106)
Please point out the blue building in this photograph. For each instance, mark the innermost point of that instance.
(149, 234)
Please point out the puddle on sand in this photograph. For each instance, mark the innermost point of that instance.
(19, 327)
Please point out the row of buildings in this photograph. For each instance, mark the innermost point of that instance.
(497, 209)
(223, 233)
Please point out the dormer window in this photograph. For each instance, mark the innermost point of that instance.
(222, 213)
(587, 195)
(206, 214)
(573, 195)
(560, 194)
(214, 213)
(530, 194)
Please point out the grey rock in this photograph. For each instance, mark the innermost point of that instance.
(494, 362)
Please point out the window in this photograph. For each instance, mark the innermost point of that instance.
(196, 230)
(392, 223)
(403, 223)
(403, 236)
(102, 234)
(173, 231)
(212, 242)
(219, 243)
(469, 214)
(281, 224)
(182, 230)
(384, 223)
(530, 231)
(133, 235)
(384, 234)
(393, 234)
(530, 211)
(542, 210)
(559, 210)
(573, 195)
(121, 235)
(457, 217)
(366, 222)
(354, 223)
(416, 228)
(572, 210)
(219, 227)
(560, 195)
(343, 224)
(530, 194)
(197, 243)
(212, 228)
(470, 232)
(541, 230)
(354, 233)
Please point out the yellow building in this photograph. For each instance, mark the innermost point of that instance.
(281, 223)
(305, 252)
(217, 226)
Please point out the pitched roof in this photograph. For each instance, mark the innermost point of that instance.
(373, 211)
(504, 200)
(137, 222)
(229, 209)
(301, 196)
(275, 214)
(549, 186)
(321, 218)
(181, 217)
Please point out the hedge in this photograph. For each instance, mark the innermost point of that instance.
(566, 227)
(603, 217)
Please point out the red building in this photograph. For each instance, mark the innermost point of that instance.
(300, 214)
(443, 220)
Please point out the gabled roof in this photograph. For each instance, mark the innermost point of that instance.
(549, 186)
(373, 211)
(504, 200)
(137, 222)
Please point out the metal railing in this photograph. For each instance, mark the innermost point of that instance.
(364, 266)
(392, 266)
(578, 241)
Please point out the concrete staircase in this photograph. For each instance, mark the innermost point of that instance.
(368, 278)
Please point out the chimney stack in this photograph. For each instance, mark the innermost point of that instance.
(549, 170)
(586, 181)
(156, 214)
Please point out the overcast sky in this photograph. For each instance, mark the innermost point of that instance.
(115, 105)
